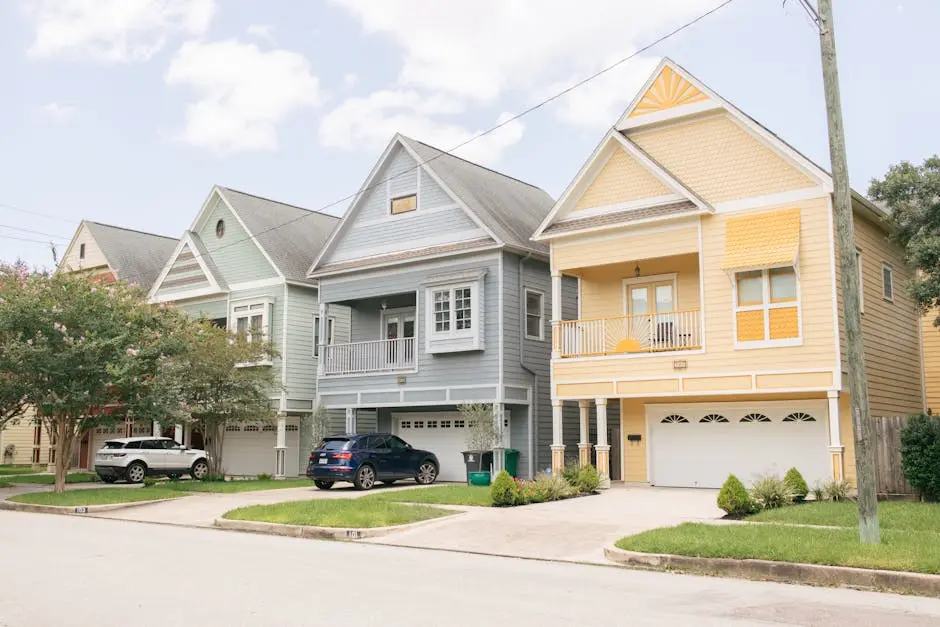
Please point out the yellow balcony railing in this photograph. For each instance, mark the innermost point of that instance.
(641, 333)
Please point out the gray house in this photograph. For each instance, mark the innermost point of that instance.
(243, 264)
(447, 302)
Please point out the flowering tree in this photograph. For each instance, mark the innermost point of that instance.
(82, 354)
(222, 379)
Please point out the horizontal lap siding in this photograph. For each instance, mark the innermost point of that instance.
(213, 310)
(931, 344)
(93, 255)
(621, 179)
(603, 292)
(302, 306)
(624, 246)
(235, 254)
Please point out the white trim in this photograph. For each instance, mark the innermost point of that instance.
(501, 390)
(554, 237)
(266, 310)
(579, 297)
(701, 287)
(835, 287)
(474, 333)
(770, 200)
(284, 352)
(185, 241)
(401, 312)
(765, 306)
(330, 333)
(438, 239)
(443, 263)
(618, 207)
(699, 375)
(661, 173)
(404, 262)
(859, 265)
(400, 392)
(643, 280)
(884, 284)
(181, 296)
(253, 285)
(525, 312)
(665, 115)
(619, 356)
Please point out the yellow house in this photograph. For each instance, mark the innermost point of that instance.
(709, 331)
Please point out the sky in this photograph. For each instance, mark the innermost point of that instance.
(128, 111)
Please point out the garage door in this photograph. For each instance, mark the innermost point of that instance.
(442, 433)
(699, 445)
(249, 449)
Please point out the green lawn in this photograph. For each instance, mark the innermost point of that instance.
(439, 495)
(901, 515)
(354, 513)
(248, 485)
(899, 550)
(75, 477)
(22, 469)
(96, 496)
(5, 484)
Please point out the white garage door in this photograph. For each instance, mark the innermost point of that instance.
(700, 445)
(442, 433)
(249, 449)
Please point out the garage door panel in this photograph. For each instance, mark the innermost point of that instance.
(248, 450)
(442, 433)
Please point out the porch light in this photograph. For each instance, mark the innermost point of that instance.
(384, 305)
(636, 271)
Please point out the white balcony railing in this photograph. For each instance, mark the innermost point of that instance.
(369, 357)
(644, 333)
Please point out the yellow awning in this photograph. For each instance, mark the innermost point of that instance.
(762, 240)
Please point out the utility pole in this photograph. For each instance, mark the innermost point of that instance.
(868, 529)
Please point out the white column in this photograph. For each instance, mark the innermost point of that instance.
(350, 420)
(603, 448)
(280, 447)
(558, 437)
(178, 433)
(556, 314)
(156, 429)
(322, 336)
(498, 450)
(836, 449)
(584, 444)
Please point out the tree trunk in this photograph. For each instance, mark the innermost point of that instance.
(214, 435)
(63, 452)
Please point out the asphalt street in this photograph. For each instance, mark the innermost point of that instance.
(60, 570)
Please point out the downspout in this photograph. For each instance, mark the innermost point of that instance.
(534, 401)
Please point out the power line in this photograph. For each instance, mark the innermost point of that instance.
(19, 228)
(24, 239)
(37, 213)
(482, 134)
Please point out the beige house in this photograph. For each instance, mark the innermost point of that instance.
(709, 335)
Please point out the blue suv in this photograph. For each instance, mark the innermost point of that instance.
(365, 459)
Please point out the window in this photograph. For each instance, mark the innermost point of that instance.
(534, 315)
(404, 204)
(432, 424)
(292, 428)
(445, 424)
(269, 428)
(460, 424)
(152, 444)
(454, 313)
(232, 428)
(405, 424)
(755, 418)
(419, 424)
(251, 320)
(861, 281)
(441, 311)
(81, 251)
(674, 419)
(316, 333)
(887, 274)
(397, 444)
(714, 418)
(462, 308)
(799, 416)
(220, 228)
(133, 445)
(252, 428)
(767, 308)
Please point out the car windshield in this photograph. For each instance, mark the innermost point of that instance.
(114, 445)
(334, 444)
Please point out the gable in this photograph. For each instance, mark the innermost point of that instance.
(185, 274)
(621, 180)
(669, 89)
(94, 257)
(236, 256)
(720, 160)
(371, 230)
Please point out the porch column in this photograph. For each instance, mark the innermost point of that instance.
(836, 448)
(280, 447)
(558, 438)
(584, 444)
(499, 450)
(157, 429)
(178, 433)
(556, 314)
(322, 337)
(603, 448)
(350, 420)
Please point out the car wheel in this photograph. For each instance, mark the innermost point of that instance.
(135, 473)
(365, 477)
(108, 479)
(427, 473)
(199, 470)
(323, 485)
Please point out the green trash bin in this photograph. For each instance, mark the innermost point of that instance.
(511, 461)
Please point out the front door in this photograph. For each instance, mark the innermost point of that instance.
(399, 325)
(651, 307)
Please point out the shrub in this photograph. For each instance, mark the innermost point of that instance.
(149, 482)
(734, 499)
(554, 487)
(920, 455)
(836, 490)
(526, 492)
(819, 492)
(570, 472)
(264, 477)
(588, 479)
(771, 492)
(504, 490)
(797, 485)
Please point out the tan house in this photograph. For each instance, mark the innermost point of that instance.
(709, 324)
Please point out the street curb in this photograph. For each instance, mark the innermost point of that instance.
(784, 572)
(319, 533)
(74, 510)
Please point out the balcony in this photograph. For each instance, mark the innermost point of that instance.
(637, 334)
(372, 357)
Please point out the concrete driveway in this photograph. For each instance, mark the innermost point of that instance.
(571, 530)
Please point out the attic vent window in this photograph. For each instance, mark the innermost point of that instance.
(81, 251)
(404, 204)
(220, 228)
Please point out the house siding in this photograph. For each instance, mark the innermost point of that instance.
(236, 254)
(94, 258)
(931, 348)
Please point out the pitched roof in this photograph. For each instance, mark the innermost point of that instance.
(405, 256)
(290, 235)
(134, 256)
(670, 210)
(508, 207)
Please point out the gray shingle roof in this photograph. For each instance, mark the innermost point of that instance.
(291, 236)
(404, 256)
(674, 209)
(134, 256)
(509, 207)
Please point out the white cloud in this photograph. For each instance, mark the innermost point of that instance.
(350, 79)
(114, 30)
(243, 93)
(368, 123)
(58, 113)
(262, 31)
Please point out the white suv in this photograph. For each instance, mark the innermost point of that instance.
(135, 458)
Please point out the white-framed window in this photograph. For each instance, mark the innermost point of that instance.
(454, 310)
(403, 204)
(887, 281)
(251, 319)
(861, 280)
(330, 324)
(767, 308)
(534, 315)
(453, 316)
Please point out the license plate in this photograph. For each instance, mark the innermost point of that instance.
(323, 460)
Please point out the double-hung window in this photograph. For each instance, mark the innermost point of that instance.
(251, 319)
(534, 315)
(330, 321)
(453, 310)
(887, 278)
(767, 307)
(454, 316)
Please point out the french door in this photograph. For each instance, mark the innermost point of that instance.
(395, 326)
(651, 309)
